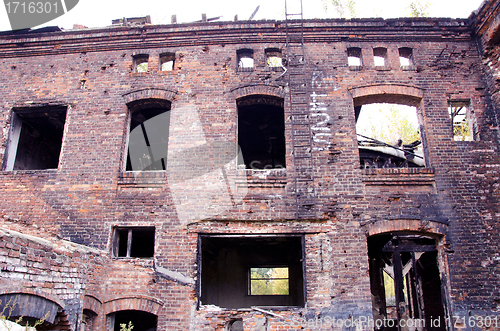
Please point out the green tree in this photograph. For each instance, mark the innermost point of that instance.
(418, 9)
(344, 8)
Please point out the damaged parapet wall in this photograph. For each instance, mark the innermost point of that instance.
(210, 176)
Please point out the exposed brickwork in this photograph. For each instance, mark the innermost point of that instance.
(70, 212)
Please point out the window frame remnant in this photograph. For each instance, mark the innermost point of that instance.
(30, 128)
(127, 248)
(261, 132)
(167, 61)
(246, 60)
(463, 120)
(225, 262)
(148, 135)
(406, 58)
(354, 58)
(380, 54)
(274, 59)
(413, 280)
(141, 63)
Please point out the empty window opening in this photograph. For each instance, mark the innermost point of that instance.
(405, 281)
(245, 59)
(27, 309)
(140, 320)
(406, 57)
(380, 56)
(239, 272)
(269, 281)
(464, 124)
(235, 325)
(88, 318)
(167, 61)
(273, 58)
(388, 136)
(261, 132)
(148, 137)
(35, 138)
(354, 57)
(141, 63)
(134, 242)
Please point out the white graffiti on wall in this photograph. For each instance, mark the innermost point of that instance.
(321, 130)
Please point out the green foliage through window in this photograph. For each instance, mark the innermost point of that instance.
(269, 281)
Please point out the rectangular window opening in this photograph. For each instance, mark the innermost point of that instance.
(463, 119)
(245, 60)
(406, 58)
(389, 136)
(141, 63)
(239, 272)
(269, 281)
(380, 56)
(167, 61)
(354, 57)
(134, 242)
(274, 59)
(35, 138)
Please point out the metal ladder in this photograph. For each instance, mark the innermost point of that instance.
(303, 163)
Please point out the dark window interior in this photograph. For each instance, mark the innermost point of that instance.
(226, 262)
(141, 320)
(148, 138)
(36, 138)
(404, 273)
(261, 132)
(134, 242)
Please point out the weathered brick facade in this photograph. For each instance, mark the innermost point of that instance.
(59, 227)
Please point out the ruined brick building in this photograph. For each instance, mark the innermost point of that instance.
(211, 176)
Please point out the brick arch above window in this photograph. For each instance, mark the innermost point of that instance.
(149, 93)
(92, 303)
(387, 93)
(405, 225)
(243, 91)
(142, 303)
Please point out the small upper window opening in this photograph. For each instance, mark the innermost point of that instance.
(269, 281)
(167, 61)
(464, 124)
(141, 63)
(354, 57)
(245, 59)
(273, 58)
(134, 242)
(406, 57)
(388, 136)
(35, 138)
(380, 56)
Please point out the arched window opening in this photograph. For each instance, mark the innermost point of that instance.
(405, 281)
(389, 136)
(406, 58)
(148, 135)
(167, 61)
(261, 132)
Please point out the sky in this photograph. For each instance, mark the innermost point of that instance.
(99, 13)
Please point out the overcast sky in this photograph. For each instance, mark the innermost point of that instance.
(99, 13)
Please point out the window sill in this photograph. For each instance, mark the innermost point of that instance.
(269, 178)
(399, 177)
(382, 68)
(142, 179)
(355, 68)
(245, 69)
(409, 68)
